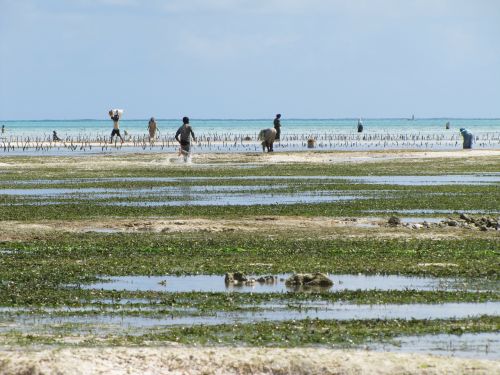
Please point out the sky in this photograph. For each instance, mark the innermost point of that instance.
(76, 59)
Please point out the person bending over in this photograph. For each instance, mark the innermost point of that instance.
(267, 136)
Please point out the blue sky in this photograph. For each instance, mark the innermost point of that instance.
(67, 59)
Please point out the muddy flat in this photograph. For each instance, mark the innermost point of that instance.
(411, 214)
(323, 227)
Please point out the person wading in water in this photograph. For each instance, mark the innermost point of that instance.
(152, 128)
(277, 126)
(183, 136)
(115, 116)
(267, 137)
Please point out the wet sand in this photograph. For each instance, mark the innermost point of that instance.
(321, 227)
(106, 162)
(166, 360)
(182, 360)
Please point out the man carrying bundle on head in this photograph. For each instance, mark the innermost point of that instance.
(115, 115)
(183, 136)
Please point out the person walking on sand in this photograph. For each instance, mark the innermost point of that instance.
(152, 127)
(115, 116)
(183, 136)
(277, 126)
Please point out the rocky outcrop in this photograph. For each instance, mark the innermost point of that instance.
(452, 223)
(464, 221)
(238, 278)
(394, 221)
(268, 279)
(235, 278)
(483, 223)
(309, 279)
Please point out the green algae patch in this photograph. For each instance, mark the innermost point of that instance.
(294, 333)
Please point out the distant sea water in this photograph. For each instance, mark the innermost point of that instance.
(83, 136)
(306, 127)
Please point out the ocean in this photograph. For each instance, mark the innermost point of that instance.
(329, 134)
(74, 128)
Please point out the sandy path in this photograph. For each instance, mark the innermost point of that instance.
(113, 361)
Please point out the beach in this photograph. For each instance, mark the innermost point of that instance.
(114, 262)
(178, 360)
(249, 187)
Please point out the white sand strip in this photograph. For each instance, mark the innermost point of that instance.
(166, 360)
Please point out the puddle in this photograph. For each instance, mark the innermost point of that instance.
(209, 200)
(50, 192)
(474, 178)
(340, 311)
(111, 192)
(334, 311)
(242, 200)
(141, 319)
(466, 179)
(99, 309)
(215, 283)
(103, 230)
(6, 251)
(467, 345)
(185, 195)
(123, 301)
(420, 220)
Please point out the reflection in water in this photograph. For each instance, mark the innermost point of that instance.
(215, 283)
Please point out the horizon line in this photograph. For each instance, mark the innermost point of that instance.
(262, 119)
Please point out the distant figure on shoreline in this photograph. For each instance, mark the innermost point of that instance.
(152, 127)
(468, 138)
(360, 126)
(277, 126)
(267, 136)
(3, 129)
(55, 138)
(115, 115)
(185, 132)
(447, 126)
